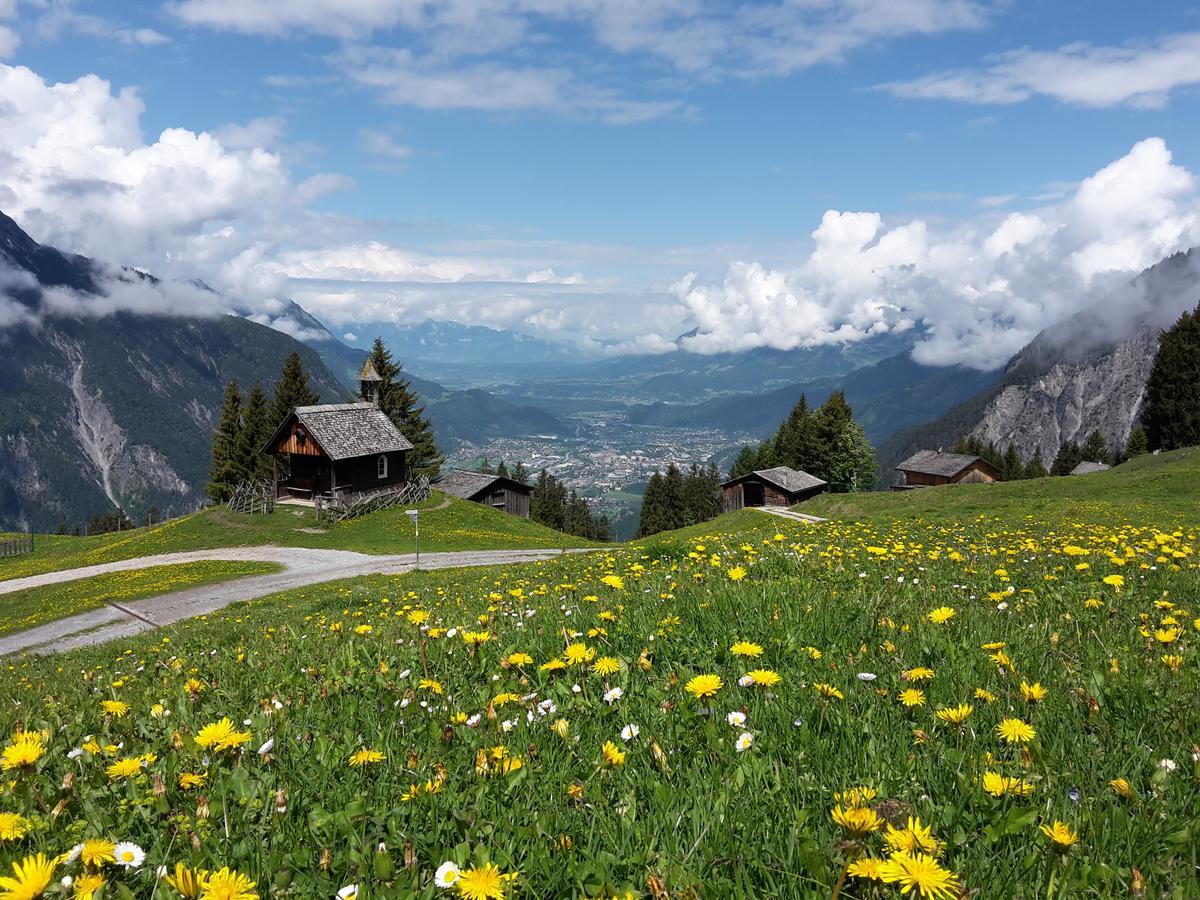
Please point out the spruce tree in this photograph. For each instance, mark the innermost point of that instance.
(1095, 449)
(1010, 465)
(226, 472)
(745, 462)
(673, 515)
(1138, 443)
(256, 431)
(402, 405)
(829, 423)
(520, 473)
(1034, 468)
(651, 521)
(291, 390)
(485, 467)
(1172, 409)
(1069, 456)
(502, 469)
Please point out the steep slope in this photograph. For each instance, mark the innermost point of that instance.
(99, 411)
(1087, 373)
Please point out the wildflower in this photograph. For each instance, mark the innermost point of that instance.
(115, 708)
(866, 867)
(1016, 731)
(186, 881)
(912, 837)
(1172, 661)
(629, 732)
(483, 883)
(124, 769)
(266, 747)
(737, 573)
(1123, 788)
(95, 852)
(446, 875)
(562, 728)
(1117, 581)
(1033, 693)
(828, 691)
(578, 654)
(129, 855)
(13, 826)
(227, 884)
(920, 874)
(764, 677)
(746, 648)
(86, 885)
(867, 677)
(221, 735)
(955, 715)
(941, 615)
(366, 756)
(553, 665)
(743, 742)
(475, 638)
(31, 876)
(159, 711)
(737, 718)
(912, 697)
(430, 684)
(518, 659)
(613, 755)
(985, 696)
(606, 665)
(189, 780)
(616, 582)
(998, 785)
(27, 747)
(612, 695)
(1060, 834)
(920, 673)
(855, 796)
(858, 821)
(349, 892)
(705, 686)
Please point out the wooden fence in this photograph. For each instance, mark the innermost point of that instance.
(253, 497)
(16, 546)
(352, 506)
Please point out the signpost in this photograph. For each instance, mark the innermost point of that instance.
(415, 515)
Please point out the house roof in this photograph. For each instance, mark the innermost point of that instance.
(1087, 468)
(791, 480)
(369, 372)
(465, 484)
(347, 430)
(935, 462)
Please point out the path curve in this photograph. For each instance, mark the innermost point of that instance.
(302, 567)
(784, 513)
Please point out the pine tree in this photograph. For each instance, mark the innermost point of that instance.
(829, 424)
(745, 463)
(256, 431)
(485, 467)
(402, 405)
(1069, 456)
(292, 390)
(796, 441)
(652, 507)
(1138, 444)
(1172, 411)
(673, 514)
(502, 469)
(1034, 468)
(520, 473)
(767, 456)
(1010, 465)
(226, 472)
(1095, 449)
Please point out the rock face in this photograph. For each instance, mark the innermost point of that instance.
(1102, 393)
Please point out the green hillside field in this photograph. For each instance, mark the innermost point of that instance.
(954, 698)
(447, 523)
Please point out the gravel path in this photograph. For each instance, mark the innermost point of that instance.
(302, 567)
(784, 513)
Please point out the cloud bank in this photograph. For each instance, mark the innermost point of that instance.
(979, 292)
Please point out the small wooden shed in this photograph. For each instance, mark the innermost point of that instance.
(780, 486)
(337, 449)
(496, 491)
(928, 468)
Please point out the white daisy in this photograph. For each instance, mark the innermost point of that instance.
(745, 739)
(629, 732)
(446, 875)
(612, 695)
(129, 855)
(737, 718)
(349, 892)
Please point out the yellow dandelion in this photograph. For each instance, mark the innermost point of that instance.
(746, 648)
(705, 686)
(1016, 731)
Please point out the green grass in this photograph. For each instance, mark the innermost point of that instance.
(1164, 485)
(37, 606)
(329, 670)
(460, 525)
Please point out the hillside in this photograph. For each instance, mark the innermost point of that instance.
(756, 708)
(100, 410)
(1081, 375)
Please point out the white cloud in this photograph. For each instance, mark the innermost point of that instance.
(381, 144)
(261, 132)
(60, 16)
(9, 42)
(980, 292)
(1141, 75)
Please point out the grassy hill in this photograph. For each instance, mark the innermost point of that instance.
(447, 523)
(984, 690)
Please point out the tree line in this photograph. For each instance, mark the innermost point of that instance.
(677, 499)
(552, 503)
(825, 442)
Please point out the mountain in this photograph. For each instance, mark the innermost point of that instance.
(889, 395)
(101, 410)
(1087, 373)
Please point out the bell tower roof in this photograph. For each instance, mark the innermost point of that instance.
(368, 372)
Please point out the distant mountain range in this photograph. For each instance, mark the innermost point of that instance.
(1087, 373)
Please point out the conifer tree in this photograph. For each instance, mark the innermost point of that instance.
(1095, 449)
(673, 514)
(256, 431)
(651, 521)
(1069, 456)
(745, 463)
(291, 390)
(1034, 468)
(520, 473)
(226, 473)
(1010, 465)
(485, 467)
(502, 469)
(1138, 444)
(402, 405)
(1172, 410)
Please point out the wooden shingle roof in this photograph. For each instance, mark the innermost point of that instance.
(1087, 468)
(794, 481)
(935, 462)
(465, 484)
(347, 430)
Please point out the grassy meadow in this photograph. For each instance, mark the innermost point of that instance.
(446, 524)
(36, 606)
(940, 704)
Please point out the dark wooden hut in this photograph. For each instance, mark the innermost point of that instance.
(496, 491)
(929, 468)
(337, 449)
(780, 486)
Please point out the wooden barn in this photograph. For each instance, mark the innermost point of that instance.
(780, 486)
(496, 491)
(928, 468)
(337, 449)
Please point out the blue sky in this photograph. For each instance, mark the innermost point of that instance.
(540, 164)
